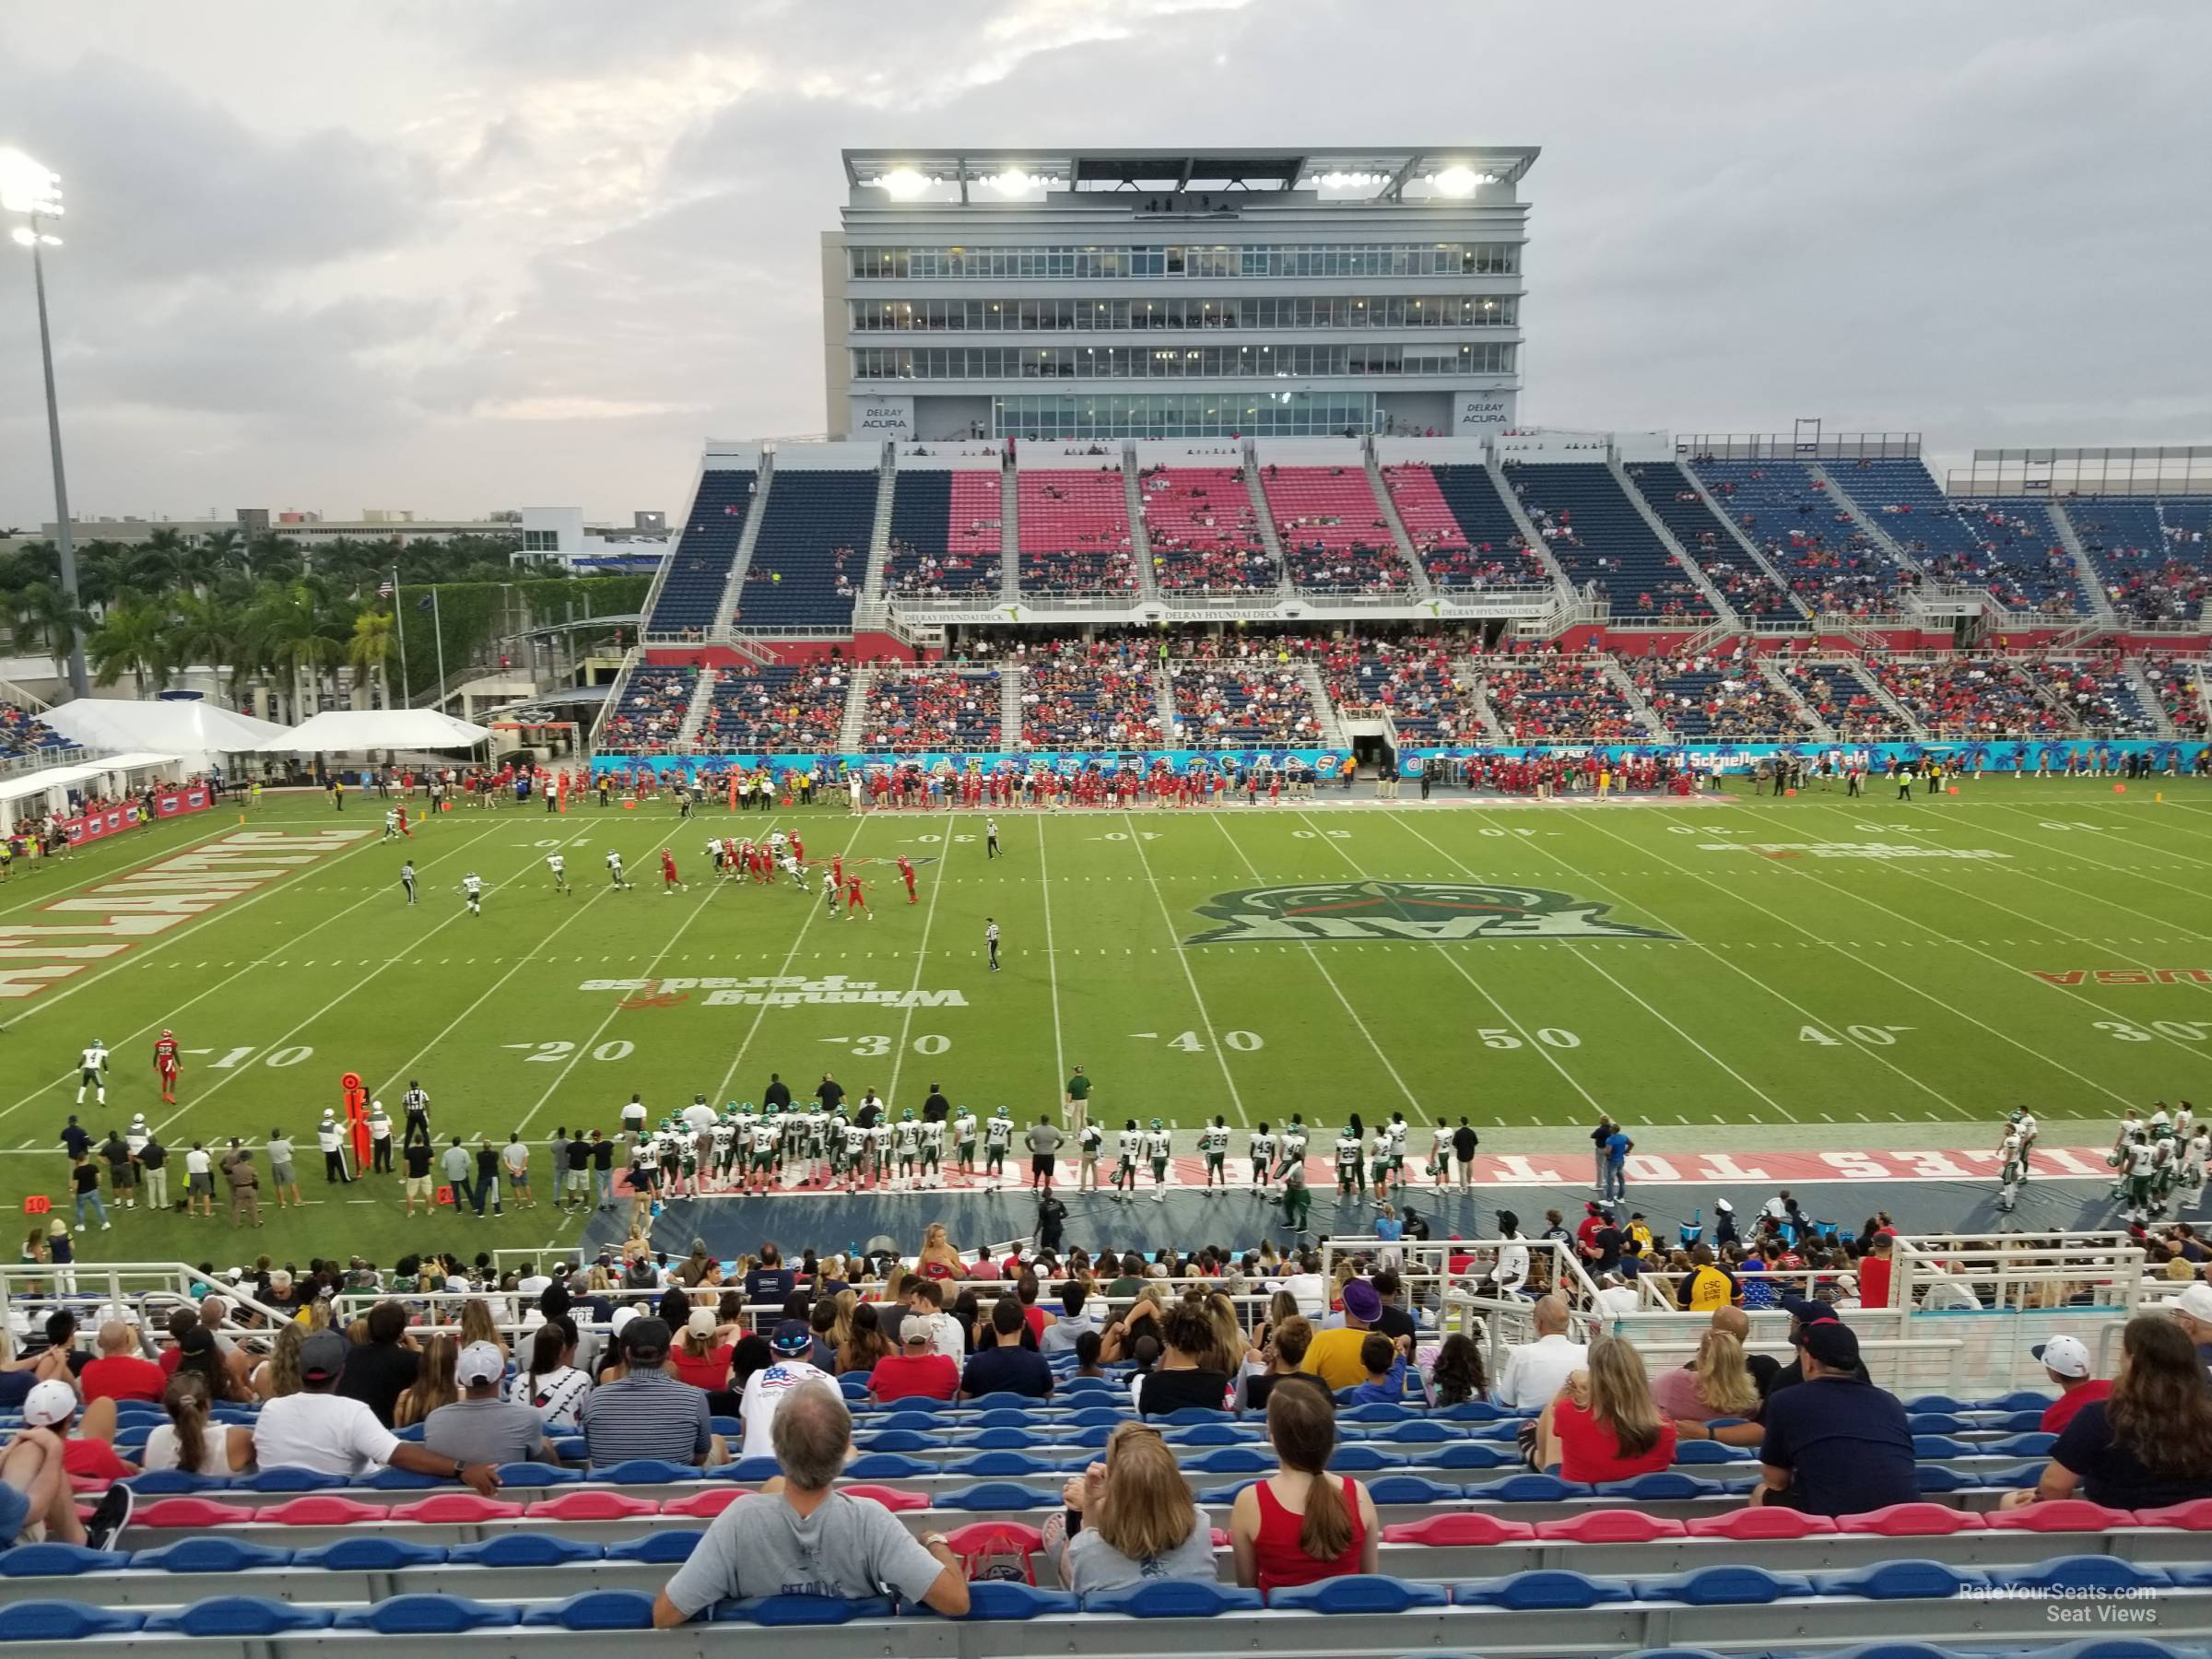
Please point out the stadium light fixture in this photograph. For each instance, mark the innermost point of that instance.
(1458, 181)
(1014, 182)
(35, 191)
(904, 183)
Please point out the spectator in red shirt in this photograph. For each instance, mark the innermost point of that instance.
(1602, 1425)
(2066, 1363)
(1874, 1268)
(914, 1372)
(120, 1373)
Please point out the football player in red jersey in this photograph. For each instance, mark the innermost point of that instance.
(670, 882)
(855, 899)
(165, 1065)
(906, 874)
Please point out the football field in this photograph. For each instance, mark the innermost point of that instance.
(1722, 961)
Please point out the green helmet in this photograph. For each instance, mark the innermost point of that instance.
(774, 1109)
(1000, 1112)
(907, 1116)
(1155, 1123)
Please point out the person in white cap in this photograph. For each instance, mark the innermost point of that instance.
(2193, 1311)
(2066, 1363)
(34, 1477)
(481, 1427)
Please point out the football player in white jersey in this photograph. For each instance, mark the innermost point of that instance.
(92, 1071)
(932, 1153)
(1213, 1141)
(1156, 1149)
(1261, 1146)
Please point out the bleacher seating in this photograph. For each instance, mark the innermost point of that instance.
(23, 734)
(1414, 684)
(941, 709)
(1488, 549)
(811, 555)
(2179, 683)
(1081, 696)
(792, 709)
(1595, 533)
(2008, 546)
(1840, 695)
(1969, 697)
(944, 535)
(1676, 501)
(1227, 705)
(1332, 530)
(1829, 561)
(1710, 698)
(700, 569)
(1548, 699)
(652, 710)
(2152, 552)
(2099, 695)
(1206, 539)
(1074, 532)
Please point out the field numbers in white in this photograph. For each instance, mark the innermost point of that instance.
(1124, 835)
(2063, 824)
(244, 1055)
(2180, 1030)
(1343, 834)
(1873, 1036)
(1497, 1036)
(620, 1048)
(1189, 1042)
(875, 1047)
(932, 839)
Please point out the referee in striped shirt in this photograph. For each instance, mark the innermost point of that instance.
(991, 939)
(645, 1412)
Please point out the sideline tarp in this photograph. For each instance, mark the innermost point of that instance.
(184, 726)
(361, 731)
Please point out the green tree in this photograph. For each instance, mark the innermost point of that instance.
(295, 627)
(133, 639)
(211, 627)
(371, 649)
(50, 617)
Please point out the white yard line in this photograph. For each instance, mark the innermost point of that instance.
(906, 1023)
(1328, 978)
(76, 884)
(1052, 957)
(1591, 961)
(1213, 1038)
(2132, 846)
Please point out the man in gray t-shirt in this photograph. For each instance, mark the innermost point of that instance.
(1045, 1146)
(480, 1427)
(811, 1539)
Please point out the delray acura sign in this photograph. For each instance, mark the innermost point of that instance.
(883, 418)
(1481, 411)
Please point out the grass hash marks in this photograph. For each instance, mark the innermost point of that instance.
(1701, 962)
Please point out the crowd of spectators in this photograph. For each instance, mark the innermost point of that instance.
(1832, 564)
(1231, 705)
(2099, 695)
(2179, 684)
(923, 710)
(23, 734)
(1967, 698)
(1839, 694)
(1074, 532)
(651, 714)
(793, 708)
(1707, 697)
(1416, 683)
(2150, 553)
(1204, 535)
(908, 573)
(1094, 694)
(1543, 699)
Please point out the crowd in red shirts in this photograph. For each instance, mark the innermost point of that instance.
(922, 709)
(1546, 699)
(787, 708)
(652, 710)
(1088, 695)
(1969, 697)
(1229, 705)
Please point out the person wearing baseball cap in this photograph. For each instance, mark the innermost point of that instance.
(767, 1388)
(1835, 1445)
(2066, 1363)
(646, 1412)
(89, 1453)
(321, 1429)
(479, 1427)
(917, 1371)
(2192, 1310)
(2148, 1444)
(35, 1476)
(1805, 1314)
(1334, 1356)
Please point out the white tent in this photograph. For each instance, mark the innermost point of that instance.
(196, 731)
(363, 731)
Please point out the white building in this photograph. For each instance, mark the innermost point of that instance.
(1082, 294)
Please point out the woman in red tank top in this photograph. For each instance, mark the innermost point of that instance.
(1302, 1523)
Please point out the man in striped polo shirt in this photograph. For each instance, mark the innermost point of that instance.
(645, 1412)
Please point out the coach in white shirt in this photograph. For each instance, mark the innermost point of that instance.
(1534, 1370)
(320, 1430)
(1309, 1287)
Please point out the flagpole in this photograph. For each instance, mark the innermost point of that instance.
(438, 628)
(399, 614)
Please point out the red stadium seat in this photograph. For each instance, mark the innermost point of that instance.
(703, 1505)
(1911, 1521)
(321, 1508)
(457, 1508)
(2193, 1516)
(2064, 1514)
(1747, 1524)
(593, 1506)
(891, 1498)
(192, 1513)
(1461, 1527)
(1609, 1526)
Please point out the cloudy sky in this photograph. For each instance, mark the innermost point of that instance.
(453, 256)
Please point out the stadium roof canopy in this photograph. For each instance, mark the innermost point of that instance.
(359, 731)
(26, 785)
(1385, 168)
(189, 726)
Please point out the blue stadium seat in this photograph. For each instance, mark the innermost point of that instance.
(2083, 1572)
(58, 1560)
(1943, 1403)
(426, 1615)
(753, 1469)
(667, 1548)
(1542, 1589)
(814, 531)
(369, 1554)
(899, 1440)
(1022, 1405)
(698, 569)
(66, 1621)
(801, 1610)
(886, 1465)
(994, 1599)
(175, 1483)
(1608, 542)
(1173, 1598)
(238, 1616)
(1939, 1445)
(1211, 1434)
(595, 1610)
(287, 1479)
(1355, 1459)
(209, 1554)
(1360, 1593)
(526, 1549)
(1724, 1586)
(1474, 1454)
(997, 1495)
(1411, 1488)
(1013, 1464)
(536, 1475)
(1375, 1411)
(1663, 1483)
(1900, 1581)
(1711, 1451)
(1239, 1460)
(1526, 1489)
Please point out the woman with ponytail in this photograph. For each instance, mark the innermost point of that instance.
(188, 1441)
(1302, 1523)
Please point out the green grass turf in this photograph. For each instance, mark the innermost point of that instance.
(329, 970)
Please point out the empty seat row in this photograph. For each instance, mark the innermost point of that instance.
(1599, 539)
(698, 569)
(1742, 580)
(811, 553)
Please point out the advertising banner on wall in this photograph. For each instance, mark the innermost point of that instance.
(114, 820)
(883, 418)
(1481, 413)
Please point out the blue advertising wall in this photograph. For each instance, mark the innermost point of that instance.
(1704, 757)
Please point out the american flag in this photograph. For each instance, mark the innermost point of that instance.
(384, 590)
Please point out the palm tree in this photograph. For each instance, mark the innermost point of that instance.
(225, 549)
(296, 630)
(371, 649)
(209, 628)
(51, 615)
(133, 639)
(273, 557)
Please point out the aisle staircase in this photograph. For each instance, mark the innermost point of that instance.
(1529, 533)
(1140, 538)
(2092, 584)
(1644, 710)
(1268, 535)
(1864, 519)
(1729, 621)
(695, 713)
(879, 533)
(726, 614)
(1751, 549)
(1423, 588)
(1009, 536)
(1010, 683)
(2147, 695)
(1783, 687)
(854, 726)
(1333, 733)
